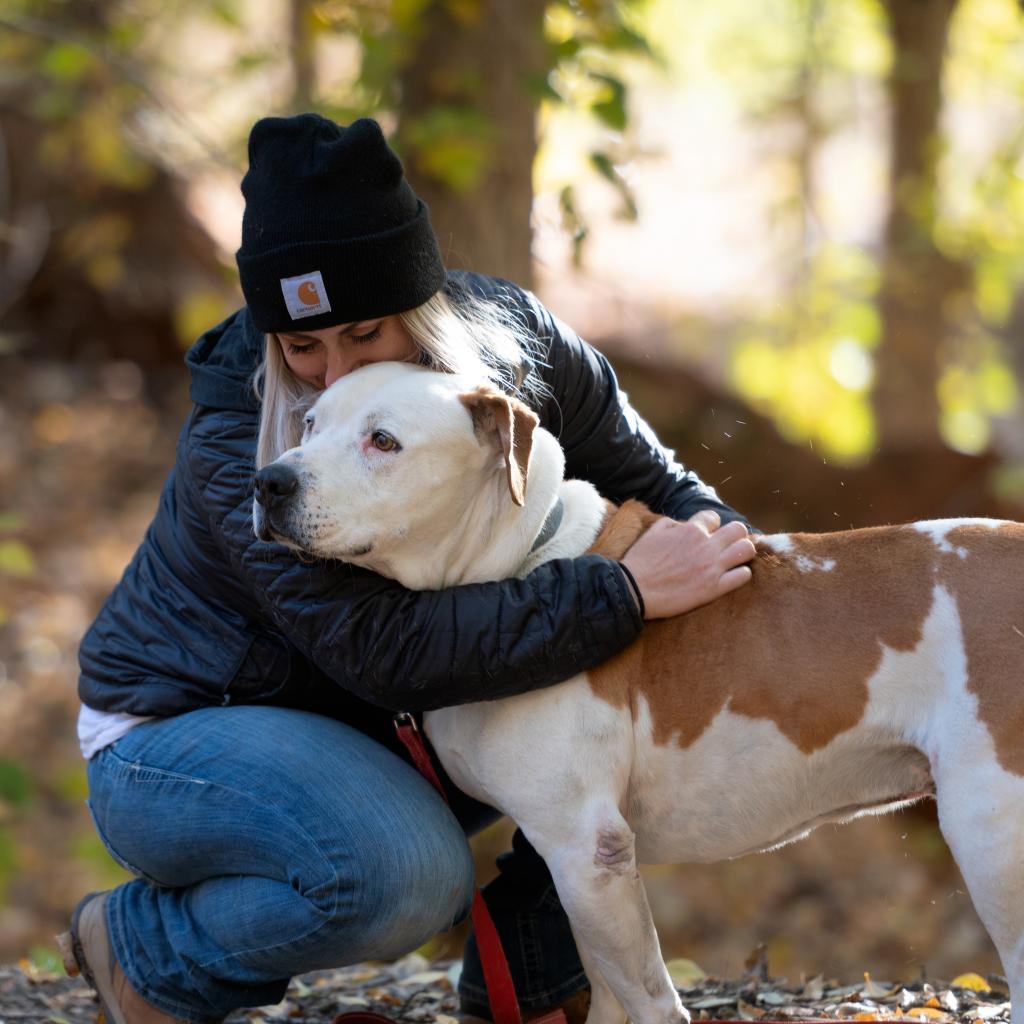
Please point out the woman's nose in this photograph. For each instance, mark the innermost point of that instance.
(339, 363)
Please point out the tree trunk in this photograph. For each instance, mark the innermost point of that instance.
(302, 55)
(918, 279)
(470, 80)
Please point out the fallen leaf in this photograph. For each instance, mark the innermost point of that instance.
(454, 973)
(710, 1002)
(757, 962)
(928, 1013)
(424, 978)
(987, 1012)
(815, 988)
(873, 990)
(948, 1001)
(748, 1012)
(850, 1010)
(685, 973)
(975, 982)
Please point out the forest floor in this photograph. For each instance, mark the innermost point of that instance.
(415, 991)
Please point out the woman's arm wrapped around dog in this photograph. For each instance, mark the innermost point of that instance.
(398, 648)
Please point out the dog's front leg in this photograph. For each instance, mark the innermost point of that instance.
(596, 876)
(605, 1007)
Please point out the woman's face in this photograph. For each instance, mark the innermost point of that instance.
(322, 357)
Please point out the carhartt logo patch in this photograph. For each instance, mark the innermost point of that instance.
(305, 295)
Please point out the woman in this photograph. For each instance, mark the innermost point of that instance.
(236, 700)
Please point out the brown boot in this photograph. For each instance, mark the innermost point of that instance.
(86, 950)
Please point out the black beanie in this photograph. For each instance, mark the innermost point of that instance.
(332, 232)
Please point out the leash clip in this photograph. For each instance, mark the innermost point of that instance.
(405, 720)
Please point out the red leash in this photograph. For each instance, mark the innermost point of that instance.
(500, 990)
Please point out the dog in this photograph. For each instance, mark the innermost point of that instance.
(857, 672)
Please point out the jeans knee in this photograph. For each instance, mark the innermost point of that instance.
(396, 896)
(415, 894)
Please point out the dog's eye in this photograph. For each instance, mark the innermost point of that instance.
(384, 442)
(307, 426)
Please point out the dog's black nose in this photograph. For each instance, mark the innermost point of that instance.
(275, 484)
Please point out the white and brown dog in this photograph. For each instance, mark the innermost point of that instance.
(856, 672)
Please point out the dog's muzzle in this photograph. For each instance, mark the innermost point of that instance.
(276, 487)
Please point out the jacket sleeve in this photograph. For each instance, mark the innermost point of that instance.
(604, 439)
(397, 648)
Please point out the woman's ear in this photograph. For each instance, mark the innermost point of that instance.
(508, 425)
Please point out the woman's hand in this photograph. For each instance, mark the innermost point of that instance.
(680, 566)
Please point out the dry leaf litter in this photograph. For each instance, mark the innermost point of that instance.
(416, 991)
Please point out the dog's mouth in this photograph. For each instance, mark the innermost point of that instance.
(271, 532)
(357, 552)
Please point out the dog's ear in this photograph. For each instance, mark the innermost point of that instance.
(509, 424)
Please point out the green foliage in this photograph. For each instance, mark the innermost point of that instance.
(16, 560)
(48, 960)
(810, 366)
(453, 142)
(611, 110)
(89, 849)
(452, 145)
(70, 783)
(8, 861)
(197, 312)
(15, 784)
(602, 163)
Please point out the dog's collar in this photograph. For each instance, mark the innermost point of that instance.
(551, 524)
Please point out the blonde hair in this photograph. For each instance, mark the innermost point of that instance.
(469, 336)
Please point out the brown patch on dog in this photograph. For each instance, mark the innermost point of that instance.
(794, 647)
(508, 423)
(989, 592)
(621, 528)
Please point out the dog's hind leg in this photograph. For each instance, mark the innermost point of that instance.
(595, 873)
(981, 813)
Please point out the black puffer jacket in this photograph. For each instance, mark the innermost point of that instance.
(206, 614)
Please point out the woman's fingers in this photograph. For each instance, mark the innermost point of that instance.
(730, 533)
(680, 566)
(739, 552)
(734, 579)
(707, 519)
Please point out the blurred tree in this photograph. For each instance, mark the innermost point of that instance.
(919, 283)
(102, 256)
(464, 81)
(99, 209)
(469, 95)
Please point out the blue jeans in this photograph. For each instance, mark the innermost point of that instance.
(268, 842)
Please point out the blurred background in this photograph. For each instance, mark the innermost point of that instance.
(795, 226)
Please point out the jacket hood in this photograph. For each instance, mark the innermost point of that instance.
(222, 363)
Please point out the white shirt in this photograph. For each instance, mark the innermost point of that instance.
(98, 729)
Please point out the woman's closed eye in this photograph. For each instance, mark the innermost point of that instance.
(371, 335)
(298, 350)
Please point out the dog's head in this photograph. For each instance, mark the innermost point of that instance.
(395, 458)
